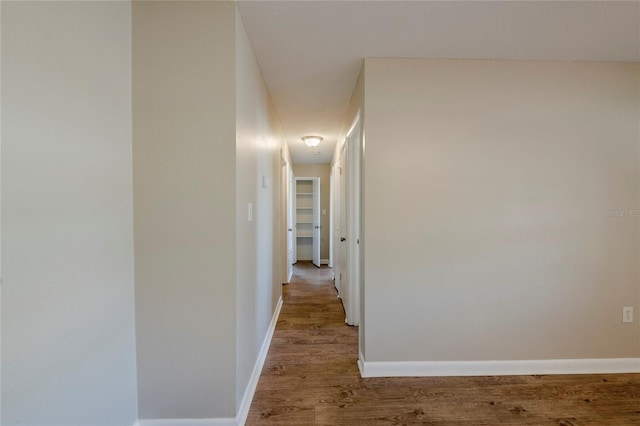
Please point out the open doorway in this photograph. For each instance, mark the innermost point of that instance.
(340, 231)
(304, 175)
(307, 219)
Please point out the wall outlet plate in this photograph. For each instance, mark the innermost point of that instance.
(627, 314)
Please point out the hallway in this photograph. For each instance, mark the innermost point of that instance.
(310, 377)
(313, 354)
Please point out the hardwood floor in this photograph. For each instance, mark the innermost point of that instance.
(310, 377)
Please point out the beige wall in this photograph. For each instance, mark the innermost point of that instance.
(323, 172)
(68, 348)
(205, 133)
(356, 103)
(184, 196)
(206, 146)
(258, 142)
(487, 190)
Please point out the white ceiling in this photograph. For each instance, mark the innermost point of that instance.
(311, 52)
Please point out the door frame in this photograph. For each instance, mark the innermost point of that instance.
(288, 242)
(316, 241)
(316, 215)
(354, 199)
(331, 210)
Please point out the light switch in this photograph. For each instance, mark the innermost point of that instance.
(250, 212)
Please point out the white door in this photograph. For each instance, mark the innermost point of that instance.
(349, 246)
(291, 240)
(316, 222)
(354, 193)
(342, 276)
(331, 218)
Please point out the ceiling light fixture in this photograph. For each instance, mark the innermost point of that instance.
(311, 140)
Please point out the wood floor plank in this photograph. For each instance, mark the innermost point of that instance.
(311, 377)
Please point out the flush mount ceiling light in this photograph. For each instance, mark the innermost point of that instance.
(311, 140)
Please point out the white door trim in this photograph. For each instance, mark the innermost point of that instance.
(354, 196)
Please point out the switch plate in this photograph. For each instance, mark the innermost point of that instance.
(627, 314)
(250, 212)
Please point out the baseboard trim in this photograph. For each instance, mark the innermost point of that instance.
(324, 261)
(188, 422)
(243, 412)
(361, 364)
(497, 368)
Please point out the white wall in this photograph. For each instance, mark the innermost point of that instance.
(259, 139)
(184, 197)
(487, 190)
(68, 349)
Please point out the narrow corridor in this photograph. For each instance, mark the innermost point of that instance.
(311, 363)
(311, 377)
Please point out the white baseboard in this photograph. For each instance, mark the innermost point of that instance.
(243, 412)
(324, 261)
(497, 368)
(361, 364)
(188, 422)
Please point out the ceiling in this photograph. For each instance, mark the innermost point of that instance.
(311, 52)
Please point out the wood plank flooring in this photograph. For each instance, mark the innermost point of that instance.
(310, 377)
